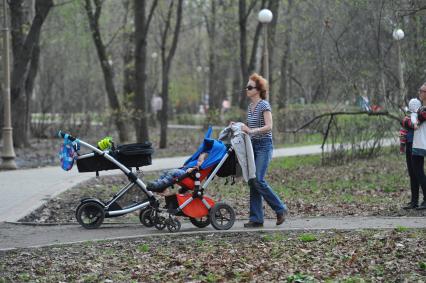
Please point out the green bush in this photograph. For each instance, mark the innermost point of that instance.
(234, 114)
(186, 119)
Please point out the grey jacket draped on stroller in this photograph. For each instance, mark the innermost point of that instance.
(243, 148)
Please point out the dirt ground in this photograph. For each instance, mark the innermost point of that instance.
(323, 256)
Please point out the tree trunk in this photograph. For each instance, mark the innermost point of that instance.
(164, 111)
(29, 86)
(274, 7)
(285, 63)
(247, 68)
(166, 60)
(141, 31)
(23, 56)
(106, 69)
(237, 88)
(242, 20)
(214, 94)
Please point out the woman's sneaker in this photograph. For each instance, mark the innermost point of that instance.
(281, 218)
(410, 205)
(422, 206)
(251, 224)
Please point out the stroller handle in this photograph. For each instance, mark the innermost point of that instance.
(62, 135)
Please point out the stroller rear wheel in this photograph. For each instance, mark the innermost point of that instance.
(222, 216)
(146, 217)
(90, 215)
(200, 222)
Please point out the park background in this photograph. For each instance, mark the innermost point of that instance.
(94, 68)
(340, 74)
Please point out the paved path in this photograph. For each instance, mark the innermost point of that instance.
(22, 191)
(24, 236)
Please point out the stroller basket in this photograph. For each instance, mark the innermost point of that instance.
(130, 155)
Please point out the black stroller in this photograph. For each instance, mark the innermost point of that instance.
(201, 210)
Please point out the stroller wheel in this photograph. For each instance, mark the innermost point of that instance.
(173, 225)
(90, 215)
(222, 216)
(145, 217)
(200, 222)
(160, 223)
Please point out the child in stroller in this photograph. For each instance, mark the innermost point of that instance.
(168, 177)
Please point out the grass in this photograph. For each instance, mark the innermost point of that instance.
(300, 278)
(401, 229)
(294, 162)
(307, 238)
(144, 248)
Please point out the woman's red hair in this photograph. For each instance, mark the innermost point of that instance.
(261, 84)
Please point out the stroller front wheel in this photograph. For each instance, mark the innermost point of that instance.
(222, 216)
(90, 215)
(160, 222)
(200, 222)
(173, 225)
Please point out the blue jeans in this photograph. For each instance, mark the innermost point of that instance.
(262, 149)
(168, 177)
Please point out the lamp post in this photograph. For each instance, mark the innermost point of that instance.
(265, 17)
(154, 57)
(398, 35)
(8, 154)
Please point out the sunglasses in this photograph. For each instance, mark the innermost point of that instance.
(250, 87)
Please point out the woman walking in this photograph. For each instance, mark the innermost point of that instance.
(259, 127)
(418, 156)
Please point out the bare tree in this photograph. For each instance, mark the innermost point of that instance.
(272, 30)
(285, 61)
(247, 67)
(128, 60)
(25, 49)
(106, 66)
(142, 23)
(166, 62)
(210, 21)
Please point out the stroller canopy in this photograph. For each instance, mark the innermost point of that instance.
(215, 149)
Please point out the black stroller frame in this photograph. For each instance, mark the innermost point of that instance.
(96, 210)
(91, 212)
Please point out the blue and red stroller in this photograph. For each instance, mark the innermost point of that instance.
(189, 202)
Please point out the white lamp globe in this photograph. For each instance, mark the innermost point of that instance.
(265, 16)
(154, 55)
(398, 34)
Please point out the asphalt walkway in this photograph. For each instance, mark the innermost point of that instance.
(28, 236)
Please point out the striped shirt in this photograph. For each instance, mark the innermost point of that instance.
(255, 118)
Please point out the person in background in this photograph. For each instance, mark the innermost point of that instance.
(418, 154)
(409, 123)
